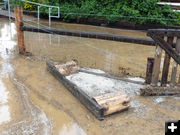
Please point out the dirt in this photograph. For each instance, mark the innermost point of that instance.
(39, 105)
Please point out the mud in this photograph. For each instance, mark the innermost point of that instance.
(38, 104)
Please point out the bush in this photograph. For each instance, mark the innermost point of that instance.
(136, 11)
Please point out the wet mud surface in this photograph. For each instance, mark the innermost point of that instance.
(32, 101)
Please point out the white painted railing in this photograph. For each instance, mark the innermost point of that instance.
(38, 12)
(175, 4)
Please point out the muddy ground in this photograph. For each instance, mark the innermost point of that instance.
(32, 101)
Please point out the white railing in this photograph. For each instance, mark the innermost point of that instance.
(173, 4)
(38, 12)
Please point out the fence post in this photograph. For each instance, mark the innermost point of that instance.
(149, 70)
(167, 58)
(156, 66)
(175, 64)
(20, 33)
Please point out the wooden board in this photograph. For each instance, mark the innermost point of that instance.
(156, 66)
(175, 64)
(159, 91)
(100, 106)
(167, 58)
(113, 102)
(67, 68)
(87, 101)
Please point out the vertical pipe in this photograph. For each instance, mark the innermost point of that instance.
(38, 16)
(9, 10)
(50, 24)
(49, 17)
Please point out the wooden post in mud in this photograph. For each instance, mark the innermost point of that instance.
(156, 66)
(20, 33)
(149, 70)
(166, 64)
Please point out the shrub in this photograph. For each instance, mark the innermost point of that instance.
(136, 11)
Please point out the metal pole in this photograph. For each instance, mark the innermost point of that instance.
(38, 14)
(9, 10)
(49, 17)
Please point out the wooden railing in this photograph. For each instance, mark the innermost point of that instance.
(164, 39)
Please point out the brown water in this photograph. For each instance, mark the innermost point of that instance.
(34, 102)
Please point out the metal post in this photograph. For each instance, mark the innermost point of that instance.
(38, 15)
(9, 10)
(5, 3)
(49, 17)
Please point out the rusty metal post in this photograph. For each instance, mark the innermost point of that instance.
(20, 33)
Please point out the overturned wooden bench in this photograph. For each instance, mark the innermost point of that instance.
(101, 105)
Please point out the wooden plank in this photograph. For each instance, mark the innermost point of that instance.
(159, 91)
(20, 33)
(166, 64)
(87, 101)
(156, 66)
(96, 35)
(113, 102)
(67, 68)
(175, 64)
(165, 32)
(149, 70)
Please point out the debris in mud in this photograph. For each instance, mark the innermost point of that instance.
(67, 68)
(113, 102)
(109, 94)
(160, 91)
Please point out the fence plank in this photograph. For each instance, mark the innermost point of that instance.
(156, 67)
(149, 70)
(166, 64)
(175, 64)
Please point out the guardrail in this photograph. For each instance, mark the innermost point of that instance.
(38, 12)
(173, 4)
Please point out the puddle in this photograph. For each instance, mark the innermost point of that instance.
(72, 129)
(3, 94)
(4, 108)
(46, 107)
(4, 114)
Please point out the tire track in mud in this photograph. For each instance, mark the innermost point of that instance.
(36, 121)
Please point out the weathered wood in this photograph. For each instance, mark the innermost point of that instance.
(165, 32)
(113, 102)
(167, 47)
(149, 70)
(156, 66)
(104, 36)
(166, 64)
(20, 33)
(159, 91)
(175, 64)
(67, 68)
(87, 101)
